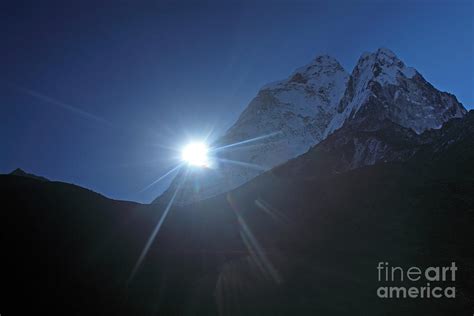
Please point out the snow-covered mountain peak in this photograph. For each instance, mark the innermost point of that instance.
(382, 86)
(386, 53)
(319, 72)
(301, 105)
(382, 66)
(383, 55)
(322, 63)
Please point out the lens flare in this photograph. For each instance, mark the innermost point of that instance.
(196, 154)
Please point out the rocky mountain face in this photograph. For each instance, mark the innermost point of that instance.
(382, 86)
(365, 143)
(358, 144)
(372, 115)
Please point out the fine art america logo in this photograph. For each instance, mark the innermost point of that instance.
(416, 282)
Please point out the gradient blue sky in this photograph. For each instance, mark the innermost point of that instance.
(88, 91)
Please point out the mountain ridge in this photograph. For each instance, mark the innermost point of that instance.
(311, 104)
(21, 173)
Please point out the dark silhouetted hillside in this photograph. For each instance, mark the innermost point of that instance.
(298, 240)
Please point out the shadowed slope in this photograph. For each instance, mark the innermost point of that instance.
(294, 241)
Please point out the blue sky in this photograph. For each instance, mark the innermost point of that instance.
(93, 93)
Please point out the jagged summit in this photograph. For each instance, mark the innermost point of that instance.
(381, 85)
(321, 63)
(311, 73)
(386, 66)
(382, 53)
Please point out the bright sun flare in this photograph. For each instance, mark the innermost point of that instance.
(195, 154)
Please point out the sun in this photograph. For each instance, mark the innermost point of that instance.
(196, 154)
